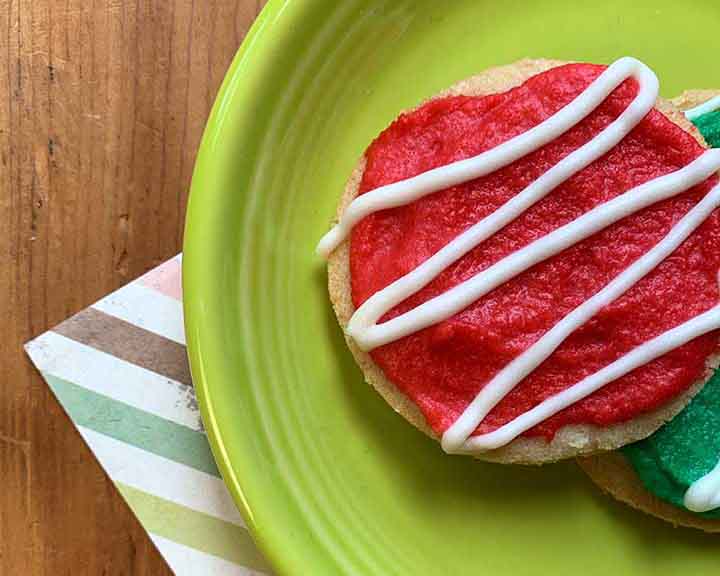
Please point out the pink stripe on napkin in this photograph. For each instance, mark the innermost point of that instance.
(166, 278)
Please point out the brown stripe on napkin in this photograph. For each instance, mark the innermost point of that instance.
(128, 342)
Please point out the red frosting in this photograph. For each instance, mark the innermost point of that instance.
(443, 367)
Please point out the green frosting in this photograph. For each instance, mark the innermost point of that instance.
(682, 451)
(688, 447)
(709, 126)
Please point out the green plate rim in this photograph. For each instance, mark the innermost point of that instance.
(267, 27)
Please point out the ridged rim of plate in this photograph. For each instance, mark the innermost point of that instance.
(236, 112)
(246, 67)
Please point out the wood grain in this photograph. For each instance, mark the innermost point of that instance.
(102, 106)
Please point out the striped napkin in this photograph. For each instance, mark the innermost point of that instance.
(119, 369)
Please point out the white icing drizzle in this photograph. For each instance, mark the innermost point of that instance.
(368, 335)
(704, 495)
(412, 189)
(456, 438)
(363, 327)
(643, 354)
(709, 106)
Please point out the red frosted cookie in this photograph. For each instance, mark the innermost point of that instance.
(433, 371)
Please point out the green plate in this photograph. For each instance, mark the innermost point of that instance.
(329, 479)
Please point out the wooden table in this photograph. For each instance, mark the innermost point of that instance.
(102, 106)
